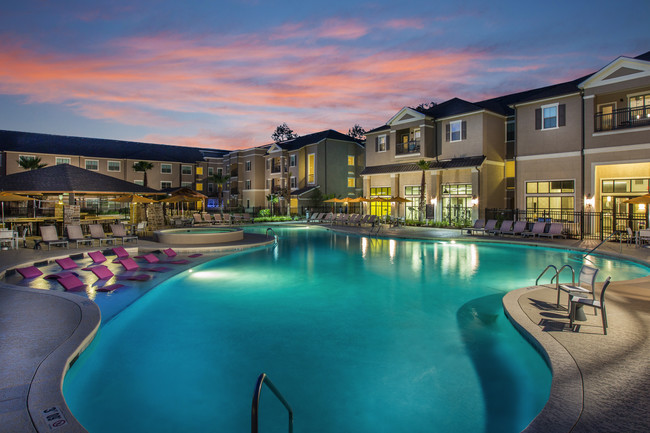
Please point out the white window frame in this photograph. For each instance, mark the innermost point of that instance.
(186, 184)
(165, 184)
(311, 177)
(119, 166)
(292, 182)
(183, 167)
(139, 182)
(381, 140)
(292, 160)
(162, 169)
(452, 128)
(219, 171)
(61, 160)
(210, 188)
(557, 116)
(248, 165)
(27, 156)
(96, 161)
(210, 171)
(247, 184)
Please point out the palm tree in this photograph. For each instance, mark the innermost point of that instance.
(143, 166)
(220, 180)
(424, 166)
(272, 199)
(30, 163)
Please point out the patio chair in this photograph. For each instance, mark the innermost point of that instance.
(119, 231)
(141, 228)
(76, 235)
(97, 232)
(585, 286)
(554, 230)
(538, 228)
(479, 224)
(328, 218)
(227, 219)
(197, 220)
(50, 237)
(121, 253)
(489, 225)
(517, 228)
(576, 301)
(29, 272)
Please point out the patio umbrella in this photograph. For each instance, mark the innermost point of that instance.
(398, 200)
(643, 199)
(133, 198)
(181, 198)
(7, 197)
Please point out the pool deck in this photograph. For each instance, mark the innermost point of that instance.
(600, 382)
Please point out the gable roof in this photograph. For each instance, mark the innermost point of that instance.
(63, 178)
(621, 69)
(102, 148)
(316, 137)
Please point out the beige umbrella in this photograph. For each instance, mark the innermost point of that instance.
(133, 198)
(6, 196)
(643, 199)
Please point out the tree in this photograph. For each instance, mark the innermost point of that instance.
(424, 166)
(272, 199)
(426, 105)
(283, 133)
(357, 132)
(143, 166)
(220, 180)
(30, 163)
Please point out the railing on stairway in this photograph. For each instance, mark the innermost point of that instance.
(544, 271)
(602, 242)
(273, 232)
(264, 379)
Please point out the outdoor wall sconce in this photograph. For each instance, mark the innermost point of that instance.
(434, 200)
(590, 201)
(474, 200)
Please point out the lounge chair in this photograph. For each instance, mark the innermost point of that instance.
(97, 232)
(538, 228)
(29, 272)
(517, 228)
(489, 226)
(585, 286)
(66, 263)
(169, 252)
(554, 230)
(76, 235)
(121, 253)
(505, 226)
(130, 265)
(576, 301)
(119, 231)
(71, 283)
(50, 237)
(479, 226)
(217, 218)
(372, 219)
(328, 218)
(97, 256)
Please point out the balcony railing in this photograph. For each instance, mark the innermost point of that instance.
(276, 169)
(233, 173)
(622, 118)
(234, 191)
(409, 147)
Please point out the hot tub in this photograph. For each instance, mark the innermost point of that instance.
(198, 236)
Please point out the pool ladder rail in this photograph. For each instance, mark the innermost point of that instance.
(273, 233)
(261, 380)
(556, 277)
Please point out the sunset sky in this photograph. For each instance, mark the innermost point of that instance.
(223, 74)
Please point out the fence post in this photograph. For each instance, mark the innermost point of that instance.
(582, 224)
(602, 227)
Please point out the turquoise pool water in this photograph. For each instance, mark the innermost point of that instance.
(360, 335)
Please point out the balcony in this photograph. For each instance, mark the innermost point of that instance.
(622, 118)
(410, 147)
(233, 173)
(276, 169)
(234, 191)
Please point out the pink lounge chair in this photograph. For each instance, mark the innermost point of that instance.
(109, 288)
(29, 272)
(66, 263)
(169, 252)
(130, 265)
(102, 272)
(120, 252)
(97, 256)
(150, 258)
(71, 283)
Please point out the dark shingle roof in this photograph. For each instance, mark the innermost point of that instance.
(451, 107)
(67, 178)
(331, 134)
(101, 148)
(471, 161)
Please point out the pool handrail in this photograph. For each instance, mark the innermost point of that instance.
(264, 379)
(544, 271)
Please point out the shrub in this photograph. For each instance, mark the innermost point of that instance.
(265, 212)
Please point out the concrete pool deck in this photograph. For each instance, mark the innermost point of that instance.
(600, 382)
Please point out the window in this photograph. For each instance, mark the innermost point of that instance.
(550, 116)
(456, 130)
(377, 208)
(114, 166)
(92, 164)
(210, 171)
(26, 157)
(351, 182)
(186, 184)
(350, 159)
(311, 168)
(166, 168)
(210, 188)
(625, 185)
(412, 193)
(510, 130)
(139, 182)
(219, 171)
(292, 182)
(247, 164)
(292, 160)
(165, 184)
(60, 160)
(199, 171)
(186, 169)
(544, 197)
(247, 184)
(199, 186)
(639, 101)
(382, 143)
(456, 202)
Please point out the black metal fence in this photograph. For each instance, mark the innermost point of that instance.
(577, 225)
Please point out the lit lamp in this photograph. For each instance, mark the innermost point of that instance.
(434, 200)
(641, 207)
(590, 201)
(474, 201)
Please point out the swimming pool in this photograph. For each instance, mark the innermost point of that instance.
(359, 334)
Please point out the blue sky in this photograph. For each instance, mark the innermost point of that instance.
(224, 74)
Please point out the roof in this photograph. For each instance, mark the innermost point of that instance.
(63, 178)
(451, 107)
(316, 137)
(472, 161)
(101, 148)
(304, 190)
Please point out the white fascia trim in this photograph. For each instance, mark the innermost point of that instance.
(628, 148)
(548, 156)
(540, 101)
(424, 125)
(620, 131)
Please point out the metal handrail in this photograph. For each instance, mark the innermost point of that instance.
(274, 235)
(614, 233)
(264, 379)
(544, 271)
(557, 275)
